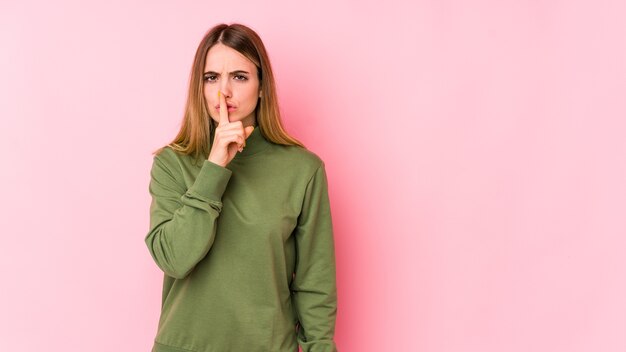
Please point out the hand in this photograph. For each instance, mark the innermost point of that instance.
(229, 136)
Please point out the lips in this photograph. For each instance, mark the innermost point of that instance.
(227, 105)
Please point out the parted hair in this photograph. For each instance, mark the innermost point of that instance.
(197, 127)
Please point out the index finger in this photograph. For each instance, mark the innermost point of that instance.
(223, 108)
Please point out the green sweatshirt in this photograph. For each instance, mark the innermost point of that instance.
(246, 250)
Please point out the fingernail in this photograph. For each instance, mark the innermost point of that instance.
(218, 94)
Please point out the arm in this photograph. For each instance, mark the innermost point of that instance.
(183, 222)
(314, 290)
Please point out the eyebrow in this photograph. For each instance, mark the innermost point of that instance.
(232, 73)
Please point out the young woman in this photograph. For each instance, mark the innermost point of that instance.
(240, 220)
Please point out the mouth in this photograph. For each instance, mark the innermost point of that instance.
(230, 107)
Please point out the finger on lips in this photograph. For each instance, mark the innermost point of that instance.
(224, 114)
(223, 108)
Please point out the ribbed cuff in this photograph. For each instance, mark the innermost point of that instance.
(211, 182)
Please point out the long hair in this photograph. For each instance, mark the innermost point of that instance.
(197, 127)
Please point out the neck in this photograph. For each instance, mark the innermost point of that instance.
(249, 120)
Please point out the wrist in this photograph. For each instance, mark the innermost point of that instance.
(216, 162)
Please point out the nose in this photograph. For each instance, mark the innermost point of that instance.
(225, 88)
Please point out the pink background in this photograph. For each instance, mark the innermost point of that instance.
(475, 154)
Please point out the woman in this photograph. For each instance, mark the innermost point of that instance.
(240, 219)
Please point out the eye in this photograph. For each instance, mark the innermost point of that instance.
(241, 78)
(210, 78)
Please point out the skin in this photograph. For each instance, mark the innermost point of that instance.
(230, 79)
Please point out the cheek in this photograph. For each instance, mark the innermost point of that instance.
(210, 102)
(251, 96)
(208, 95)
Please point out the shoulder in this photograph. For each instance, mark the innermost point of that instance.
(299, 160)
(168, 160)
(166, 154)
(301, 156)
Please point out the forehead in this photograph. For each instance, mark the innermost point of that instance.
(221, 57)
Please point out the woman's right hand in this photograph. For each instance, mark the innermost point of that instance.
(229, 137)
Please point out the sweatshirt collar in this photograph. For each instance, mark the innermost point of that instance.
(255, 143)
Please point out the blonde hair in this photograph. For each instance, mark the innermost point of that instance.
(197, 126)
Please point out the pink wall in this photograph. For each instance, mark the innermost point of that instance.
(475, 153)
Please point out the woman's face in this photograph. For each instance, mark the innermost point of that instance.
(235, 76)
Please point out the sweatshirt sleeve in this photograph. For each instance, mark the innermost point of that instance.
(183, 221)
(314, 290)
